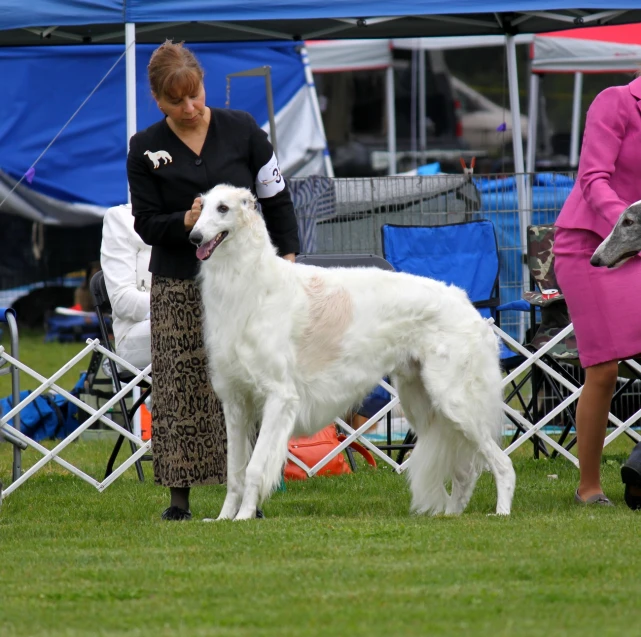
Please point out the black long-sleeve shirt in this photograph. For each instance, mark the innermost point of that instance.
(237, 152)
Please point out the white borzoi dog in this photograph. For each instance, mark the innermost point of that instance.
(293, 346)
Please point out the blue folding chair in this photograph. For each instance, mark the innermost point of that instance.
(466, 255)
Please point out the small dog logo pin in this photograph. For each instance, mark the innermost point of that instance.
(157, 156)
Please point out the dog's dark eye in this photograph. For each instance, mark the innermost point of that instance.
(222, 208)
(627, 222)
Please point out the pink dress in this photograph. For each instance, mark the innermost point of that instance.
(604, 305)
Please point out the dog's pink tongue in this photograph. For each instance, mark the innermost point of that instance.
(205, 250)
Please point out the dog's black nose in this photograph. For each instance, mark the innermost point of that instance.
(196, 237)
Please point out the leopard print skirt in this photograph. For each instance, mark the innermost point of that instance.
(189, 441)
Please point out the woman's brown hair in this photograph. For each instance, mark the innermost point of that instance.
(174, 71)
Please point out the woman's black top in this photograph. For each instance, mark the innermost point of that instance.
(236, 152)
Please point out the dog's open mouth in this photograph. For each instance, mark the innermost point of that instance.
(207, 249)
(623, 258)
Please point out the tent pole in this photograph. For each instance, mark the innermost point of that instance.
(391, 118)
(525, 213)
(515, 107)
(533, 120)
(309, 76)
(533, 117)
(422, 96)
(130, 82)
(576, 119)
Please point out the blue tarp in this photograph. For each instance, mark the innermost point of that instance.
(499, 204)
(43, 87)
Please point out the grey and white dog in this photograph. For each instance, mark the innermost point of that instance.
(623, 243)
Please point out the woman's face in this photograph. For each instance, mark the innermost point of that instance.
(184, 110)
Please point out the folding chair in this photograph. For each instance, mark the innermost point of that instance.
(386, 406)
(549, 319)
(102, 306)
(466, 255)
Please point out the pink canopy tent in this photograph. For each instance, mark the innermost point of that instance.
(604, 49)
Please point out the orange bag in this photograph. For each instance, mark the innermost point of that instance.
(313, 449)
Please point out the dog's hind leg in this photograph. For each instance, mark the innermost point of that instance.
(465, 391)
(503, 472)
(239, 423)
(265, 467)
(473, 411)
(466, 473)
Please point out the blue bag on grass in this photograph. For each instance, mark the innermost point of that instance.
(46, 416)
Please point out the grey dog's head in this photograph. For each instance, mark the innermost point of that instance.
(623, 243)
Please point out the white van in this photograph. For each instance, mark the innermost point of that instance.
(481, 118)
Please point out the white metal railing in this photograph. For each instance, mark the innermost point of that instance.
(50, 384)
(95, 415)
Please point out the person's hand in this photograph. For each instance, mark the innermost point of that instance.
(290, 257)
(192, 215)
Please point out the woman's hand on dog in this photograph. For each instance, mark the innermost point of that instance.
(191, 216)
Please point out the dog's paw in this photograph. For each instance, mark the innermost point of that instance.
(218, 519)
(246, 514)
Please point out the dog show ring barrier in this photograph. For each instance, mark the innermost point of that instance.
(48, 384)
(343, 216)
(21, 441)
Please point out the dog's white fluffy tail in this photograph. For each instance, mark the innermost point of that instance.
(441, 454)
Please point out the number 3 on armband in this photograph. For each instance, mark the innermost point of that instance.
(277, 176)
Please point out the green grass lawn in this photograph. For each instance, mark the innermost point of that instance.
(44, 358)
(334, 556)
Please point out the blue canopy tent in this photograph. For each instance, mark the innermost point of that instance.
(43, 87)
(96, 21)
(83, 171)
(46, 22)
(43, 22)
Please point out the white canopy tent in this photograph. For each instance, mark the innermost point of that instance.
(335, 56)
(603, 49)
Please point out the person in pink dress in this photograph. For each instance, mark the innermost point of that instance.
(604, 304)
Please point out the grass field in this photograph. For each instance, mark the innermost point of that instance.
(44, 358)
(334, 556)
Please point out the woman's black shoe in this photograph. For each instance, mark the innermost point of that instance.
(631, 478)
(176, 513)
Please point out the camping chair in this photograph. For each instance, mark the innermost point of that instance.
(102, 307)
(549, 319)
(466, 255)
(384, 397)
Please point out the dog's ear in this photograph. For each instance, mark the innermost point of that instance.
(248, 200)
(247, 203)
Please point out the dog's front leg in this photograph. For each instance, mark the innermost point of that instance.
(266, 464)
(238, 423)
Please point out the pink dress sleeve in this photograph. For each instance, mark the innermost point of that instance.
(605, 126)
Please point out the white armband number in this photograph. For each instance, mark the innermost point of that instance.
(269, 181)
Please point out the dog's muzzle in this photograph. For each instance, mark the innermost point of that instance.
(205, 250)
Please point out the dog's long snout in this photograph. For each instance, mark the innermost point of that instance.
(596, 260)
(196, 237)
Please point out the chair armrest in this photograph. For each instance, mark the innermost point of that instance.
(518, 306)
(486, 303)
